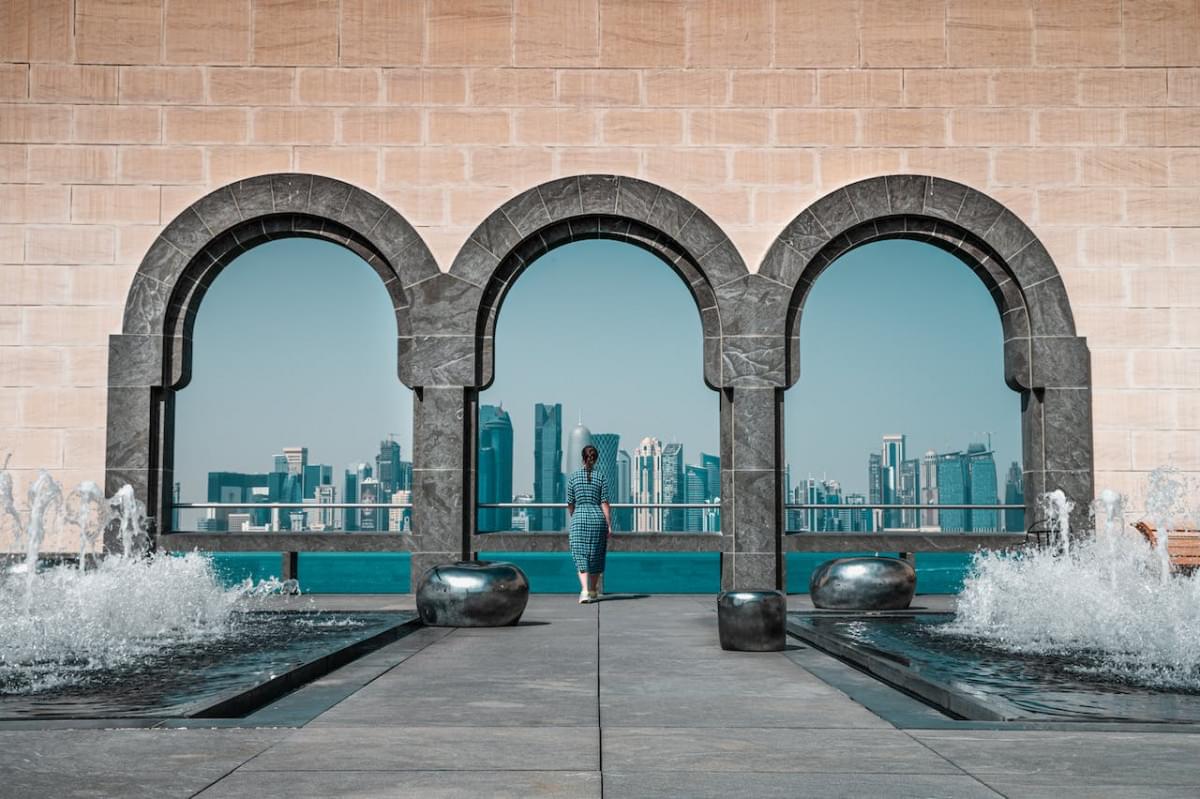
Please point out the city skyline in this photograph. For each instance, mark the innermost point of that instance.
(640, 377)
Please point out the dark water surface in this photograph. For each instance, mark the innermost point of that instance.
(1017, 686)
(174, 683)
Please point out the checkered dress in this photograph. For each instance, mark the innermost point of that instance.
(589, 532)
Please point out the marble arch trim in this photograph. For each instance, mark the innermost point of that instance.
(1044, 359)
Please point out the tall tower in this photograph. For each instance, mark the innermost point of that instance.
(1014, 494)
(387, 467)
(909, 492)
(674, 487)
(495, 467)
(547, 467)
(607, 444)
(954, 488)
(929, 489)
(893, 456)
(648, 485)
(696, 490)
(875, 488)
(579, 438)
(981, 477)
(623, 517)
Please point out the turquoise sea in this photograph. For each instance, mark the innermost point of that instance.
(553, 573)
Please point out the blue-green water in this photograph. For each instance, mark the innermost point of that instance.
(553, 572)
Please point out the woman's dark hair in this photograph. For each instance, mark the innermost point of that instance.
(590, 456)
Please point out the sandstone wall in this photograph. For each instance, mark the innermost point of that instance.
(1083, 116)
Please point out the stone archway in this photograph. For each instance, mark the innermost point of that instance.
(1044, 359)
(457, 318)
(150, 359)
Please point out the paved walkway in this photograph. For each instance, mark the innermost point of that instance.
(626, 698)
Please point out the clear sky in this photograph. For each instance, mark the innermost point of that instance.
(295, 346)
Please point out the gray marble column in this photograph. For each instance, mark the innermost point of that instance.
(752, 488)
(442, 506)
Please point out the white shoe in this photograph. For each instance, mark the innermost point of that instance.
(584, 597)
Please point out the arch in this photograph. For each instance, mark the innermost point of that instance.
(589, 207)
(150, 358)
(1044, 359)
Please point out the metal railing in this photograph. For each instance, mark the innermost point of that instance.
(276, 507)
(842, 507)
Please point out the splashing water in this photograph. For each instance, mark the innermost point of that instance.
(62, 625)
(1108, 595)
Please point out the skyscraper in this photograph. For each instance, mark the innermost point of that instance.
(929, 489)
(547, 467)
(712, 468)
(954, 488)
(578, 438)
(495, 467)
(350, 494)
(623, 517)
(233, 487)
(909, 493)
(981, 475)
(1014, 494)
(608, 444)
(324, 494)
(369, 520)
(695, 480)
(875, 488)
(296, 459)
(893, 456)
(647, 484)
(387, 467)
(673, 486)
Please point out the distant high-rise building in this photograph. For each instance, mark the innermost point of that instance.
(369, 520)
(647, 484)
(893, 453)
(909, 493)
(608, 445)
(812, 492)
(577, 439)
(623, 517)
(238, 522)
(695, 479)
(832, 520)
(981, 475)
(547, 467)
(860, 518)
(712, 480)
(233, 487)
(350, 494)
(929, 489)
(324, 495)
(1014, 494)
(954, 488)
(673, 486)
(400, 519)
(520, 519)
(296, 459)
(387, 467)
(495, 467)
(316, 474)
(875, 488)
(281, 464)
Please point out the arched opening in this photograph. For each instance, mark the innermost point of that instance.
(901, 401)
(598, 341)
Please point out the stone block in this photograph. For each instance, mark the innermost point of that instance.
(115, 204)
(833, 43)
(438, 428)
(423, 166)
(729, 127)
(352, 87)
(600, 87)
(942, 88)
(517, 167)
(724, 35)
(643, 127)
(118, 32)
(841, 166)
(425, 86)
(293, 126)
(386, 126)
(563, 34)
(357, 165)
(767, 166)
(23, 123)
(1077, 33)
(690, 87)
(807, 128)
(990, 127)
(1161, 33)
(33, 203)
(557, 126)
(42, 36)
(1092, 206)
(287, 32)
(206, 125)
(856, 88)
(767, 88)
(14, 82)
(212, 32)
(442, 361)
(1069, 126)
(117, 125)
(989, 34)
(753, 305)
(468, 127)
(162, 85)
(903, 127)
(251, 85)
(1034, 87)
(753, 361)
(161, 165)
(380, 32)
(1042, 166)
(642, 33)
(1159, 127)
(1049, 309)
(466, 32)
(895, 33)
(70, 244)
(1061, 363)
(1123, 87)
(66, 83)
(514, 87)
(751, 571)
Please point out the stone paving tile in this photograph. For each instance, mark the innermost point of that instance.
(330, 747)
(1073, 759)
(698, 709)
(130, 783)
(408, 785)
(117, 752)
(751, 750)
(722, 785)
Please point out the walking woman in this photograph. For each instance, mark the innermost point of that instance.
(591, 523)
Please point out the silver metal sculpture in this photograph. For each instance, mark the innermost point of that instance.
(863, 584)
(472, 594)
(752, 621)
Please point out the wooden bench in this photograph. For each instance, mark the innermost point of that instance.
(1183, 546)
